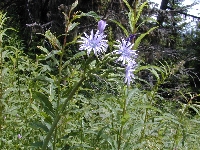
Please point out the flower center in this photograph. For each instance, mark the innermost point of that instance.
(125, 53)
(93, 44)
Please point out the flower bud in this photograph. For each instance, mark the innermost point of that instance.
(101, 25)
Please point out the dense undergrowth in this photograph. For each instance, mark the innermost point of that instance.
(66, 99)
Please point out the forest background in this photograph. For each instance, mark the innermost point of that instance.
(54, 95)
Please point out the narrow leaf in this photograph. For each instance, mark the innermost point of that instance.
(37, 144)
(122, 27)
(77, 55)
(127, 4)
(52, 39)
(137, 42)
(91, 14)
(39, 125)
(72, 25)
(47, 106)
(140, 11)
(43, 49)
(74, 5)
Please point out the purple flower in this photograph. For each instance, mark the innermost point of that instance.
(129, 76)
(127, 56)
(101, 26)
(19, 136)
(131, 37)
(125, 51)
(95, 42)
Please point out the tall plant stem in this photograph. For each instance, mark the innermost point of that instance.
(59, 93)
(58, 116)
(59, 79)
(1, 89)
(146, 113)
(122, 124)
(144, 128)
(18, 75)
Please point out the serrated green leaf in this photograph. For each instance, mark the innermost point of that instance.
(47, 118)
(122, 27)
(52, 39)
(147, 20)
(170, 117)
(137, 42)
(52, 53)
(43, 49)
(41, 57)
(46, 104)
(37, 144)
(72, 133)
(43, 78)
(140, 11)
(127, 4)
(39, 125)
(131, 21)
(77, 55)
(195, 109)
(72, 26)
(74, 5)
(125, 118)
(34, 107)
(155, 73)
(91, 14)
(100, 133)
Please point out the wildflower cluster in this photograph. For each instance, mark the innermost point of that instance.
(127, 56)
(97, 43)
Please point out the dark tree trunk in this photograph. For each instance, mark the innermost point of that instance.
(163, 6)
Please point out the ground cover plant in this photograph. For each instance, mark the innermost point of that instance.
(88, 92)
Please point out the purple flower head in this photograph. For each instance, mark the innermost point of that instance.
(101, 26)
(125, 51)
(128, 57)
(131, 37)
(95, 42)
(19, 136)
(129, 76)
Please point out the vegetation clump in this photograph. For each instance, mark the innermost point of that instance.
(111, 84)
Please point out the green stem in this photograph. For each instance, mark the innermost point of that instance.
(178, 130)
(18, 76)
(59, 94)
(54, 138)
(121, 128)
(145, 120)
(146, 112)
(59, 81)
(1, 88)
(58, 116)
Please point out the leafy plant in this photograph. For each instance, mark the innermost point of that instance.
(61, 100)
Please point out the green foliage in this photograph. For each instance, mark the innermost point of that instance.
(134, 14)
(137, 42)
(15, 101)
(133, 21)
(61, 101)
